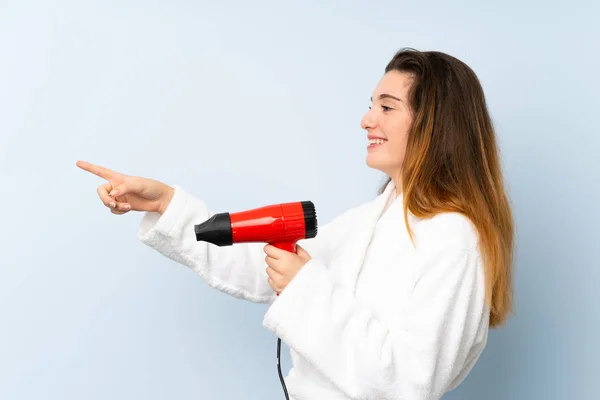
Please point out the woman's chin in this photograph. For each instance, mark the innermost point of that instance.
(375, 162)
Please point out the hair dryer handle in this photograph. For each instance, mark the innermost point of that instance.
(287, 246)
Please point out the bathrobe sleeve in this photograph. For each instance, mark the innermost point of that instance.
(238, 270)
(414, 357)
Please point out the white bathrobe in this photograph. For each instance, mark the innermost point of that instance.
(369, 316)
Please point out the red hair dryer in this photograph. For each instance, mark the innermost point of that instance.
(280, 225)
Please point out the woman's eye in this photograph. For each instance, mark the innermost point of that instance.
(385, 108)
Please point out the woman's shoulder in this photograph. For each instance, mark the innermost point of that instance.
(444, 230)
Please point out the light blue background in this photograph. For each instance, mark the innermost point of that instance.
(251, 103)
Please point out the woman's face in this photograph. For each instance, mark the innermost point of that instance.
(387, 123)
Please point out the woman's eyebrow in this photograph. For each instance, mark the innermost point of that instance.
(386, 96)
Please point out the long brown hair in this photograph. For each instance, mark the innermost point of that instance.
(452, 163)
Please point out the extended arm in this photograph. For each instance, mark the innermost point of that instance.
(240, 269)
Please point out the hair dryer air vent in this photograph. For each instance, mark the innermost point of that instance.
(310, 219)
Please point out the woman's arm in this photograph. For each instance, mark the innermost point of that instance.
(240, 269)
(417, 356)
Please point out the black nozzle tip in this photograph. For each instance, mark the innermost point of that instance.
(310, 219)
(215, 230)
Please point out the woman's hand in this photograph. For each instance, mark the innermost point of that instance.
(123, 193)
(283, 265)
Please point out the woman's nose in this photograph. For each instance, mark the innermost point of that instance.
(367, 121)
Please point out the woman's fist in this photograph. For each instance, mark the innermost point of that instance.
(122, 193)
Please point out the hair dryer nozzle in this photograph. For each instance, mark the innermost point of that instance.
(215, 230)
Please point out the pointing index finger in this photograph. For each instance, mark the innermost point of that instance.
(97, 170)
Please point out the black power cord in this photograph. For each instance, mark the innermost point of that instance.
(279, 368)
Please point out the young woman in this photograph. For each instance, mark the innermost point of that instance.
(393, 299)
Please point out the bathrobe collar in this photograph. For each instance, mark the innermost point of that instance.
(356, 248)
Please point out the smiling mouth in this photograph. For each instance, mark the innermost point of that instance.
(373, 143)
(377, 141)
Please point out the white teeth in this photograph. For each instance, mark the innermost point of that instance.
(376, 141)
